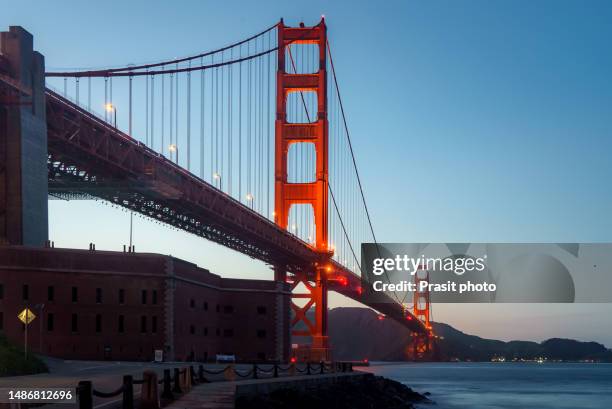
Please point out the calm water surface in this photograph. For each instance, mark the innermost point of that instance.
(506, 385)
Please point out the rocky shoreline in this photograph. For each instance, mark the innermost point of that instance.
(364, 392)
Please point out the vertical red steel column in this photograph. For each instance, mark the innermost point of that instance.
(313, 193)
(422, 343)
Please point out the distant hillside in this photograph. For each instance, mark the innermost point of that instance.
(357, 333)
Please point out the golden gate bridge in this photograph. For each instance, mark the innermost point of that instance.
(247, 146)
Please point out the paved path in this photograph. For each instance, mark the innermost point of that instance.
(216, 395)
(221, 395)
(107, 376)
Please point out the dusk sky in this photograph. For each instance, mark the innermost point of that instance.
(472, 121)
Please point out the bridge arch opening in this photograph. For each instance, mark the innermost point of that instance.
(302, 222)
(302, 107)
(302, 58)
(301, 163)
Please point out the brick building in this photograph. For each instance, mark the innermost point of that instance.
(124, 306)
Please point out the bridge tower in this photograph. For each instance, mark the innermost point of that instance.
(314, 193)
(422, 343)
(23, 142)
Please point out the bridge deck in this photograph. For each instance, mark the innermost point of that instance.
(89, 157)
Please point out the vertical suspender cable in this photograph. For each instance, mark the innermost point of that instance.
(176, 116)
(130, 107)
(110, 86)
(348, 138)
(268, 135)
(202, 124)
(230, 80)
(212, 133)
(105, 98)
(222, 125)
(76, 86)
(189, 118)
(248, 168)
(152, 112)
(217, 144)
(171, 112)
(163, 114)
(146, 77)
(240, 125)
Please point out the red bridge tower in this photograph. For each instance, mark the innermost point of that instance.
(422, 344)
(314, 193)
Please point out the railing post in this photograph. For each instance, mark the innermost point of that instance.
(192, 375)
(350, 367)
(322, 367)
(254, 371)
(128, 392)
(307, 368)
(85, 395)
(276, 370)
(177, 381)
(186, 379)
(149, 398)
(167, 392)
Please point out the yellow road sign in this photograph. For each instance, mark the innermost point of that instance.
(26, 316)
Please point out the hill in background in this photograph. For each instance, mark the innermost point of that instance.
(358, 333)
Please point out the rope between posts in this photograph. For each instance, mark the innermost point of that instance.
(101, 394)
(245, 375)
(215, 372)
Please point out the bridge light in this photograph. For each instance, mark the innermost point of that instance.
(216, 176)
(249, 197)
(172, 147)
(294, 226)
(109, 107)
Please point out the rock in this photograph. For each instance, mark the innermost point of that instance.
(367, 392)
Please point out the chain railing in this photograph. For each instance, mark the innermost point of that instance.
(182, 380)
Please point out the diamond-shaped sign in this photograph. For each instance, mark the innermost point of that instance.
(26, 316)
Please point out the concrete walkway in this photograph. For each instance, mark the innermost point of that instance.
(216, 395)
(222, 395)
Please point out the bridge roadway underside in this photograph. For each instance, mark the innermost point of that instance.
(88, 158)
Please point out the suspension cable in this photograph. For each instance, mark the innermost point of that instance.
(94, 73)
(348, 137)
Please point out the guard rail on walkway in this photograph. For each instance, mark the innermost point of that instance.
(182, 380)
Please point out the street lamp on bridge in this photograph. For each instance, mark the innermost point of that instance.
(112, 109)
(173, 148)
(250, 198)
(217, 176)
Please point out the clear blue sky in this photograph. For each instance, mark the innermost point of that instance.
(472, 121)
